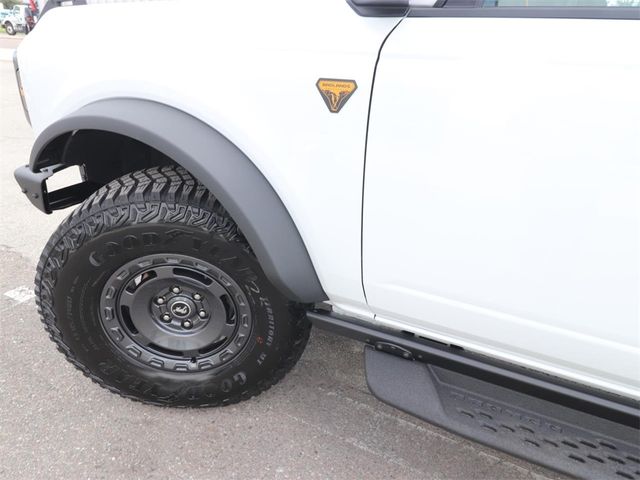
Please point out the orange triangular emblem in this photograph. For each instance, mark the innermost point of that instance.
(335, 92)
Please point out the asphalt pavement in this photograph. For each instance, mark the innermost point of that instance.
(319, 422)
(7, 44)
(10, 41)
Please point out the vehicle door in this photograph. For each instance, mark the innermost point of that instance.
(501, 204)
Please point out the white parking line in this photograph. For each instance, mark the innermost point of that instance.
(20, 294)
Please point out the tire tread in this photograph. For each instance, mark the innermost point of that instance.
(134, 192)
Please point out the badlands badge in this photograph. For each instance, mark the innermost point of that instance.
(336, 92)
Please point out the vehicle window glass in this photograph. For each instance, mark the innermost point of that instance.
(561, 3)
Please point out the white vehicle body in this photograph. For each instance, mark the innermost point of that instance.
(501, 206)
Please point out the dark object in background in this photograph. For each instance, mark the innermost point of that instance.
(31, 17)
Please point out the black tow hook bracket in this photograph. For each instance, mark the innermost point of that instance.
(394, 350)
(34, 186)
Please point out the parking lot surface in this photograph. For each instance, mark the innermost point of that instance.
(319, 422)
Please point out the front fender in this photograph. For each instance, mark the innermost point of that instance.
(221, 166)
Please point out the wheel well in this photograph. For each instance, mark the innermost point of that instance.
(102, 156)
(148, 134)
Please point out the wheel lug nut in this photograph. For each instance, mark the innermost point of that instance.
(197, 296)
(176, 290)
(202, 314)
(187, 324)
(166, 317)
(160, 300)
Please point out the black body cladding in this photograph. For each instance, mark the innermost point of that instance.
(216, 162)
(562, 425)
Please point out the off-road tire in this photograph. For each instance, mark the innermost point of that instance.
(107, 232)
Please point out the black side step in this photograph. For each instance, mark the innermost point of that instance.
(558, 437)
(565, 426)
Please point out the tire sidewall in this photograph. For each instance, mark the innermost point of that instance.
(80, 270)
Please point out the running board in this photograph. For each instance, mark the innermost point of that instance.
(561, 425)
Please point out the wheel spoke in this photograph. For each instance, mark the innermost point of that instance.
(190, 354)
(164, 273)
(127, 298)
(141, 339)
(216, 289)
(227, 330)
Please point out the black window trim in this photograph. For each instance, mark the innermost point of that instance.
(607, 13)
(401, 8)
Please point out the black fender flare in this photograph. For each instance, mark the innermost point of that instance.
(222, 167)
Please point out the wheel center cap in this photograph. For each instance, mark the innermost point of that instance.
(180, 309)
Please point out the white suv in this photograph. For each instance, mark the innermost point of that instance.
(454, 183)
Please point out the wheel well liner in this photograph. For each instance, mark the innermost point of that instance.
(221, 166)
